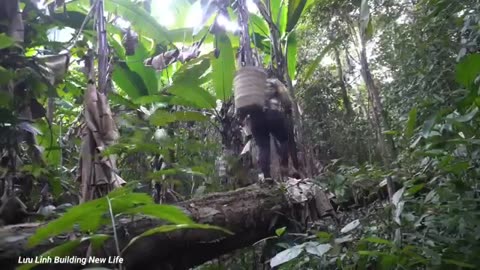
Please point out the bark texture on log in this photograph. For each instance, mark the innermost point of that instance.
(251, 213)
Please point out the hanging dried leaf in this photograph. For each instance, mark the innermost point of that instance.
(189, 53)
(162, 60)
(56, 65)
(130, 41)
(92, 116)
(100, 130)
(108, 126)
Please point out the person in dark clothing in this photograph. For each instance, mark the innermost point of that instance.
(273, 119)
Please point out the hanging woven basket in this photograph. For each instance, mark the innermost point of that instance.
(249, 87)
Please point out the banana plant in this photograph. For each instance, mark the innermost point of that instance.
(140, 84)
(282, 19)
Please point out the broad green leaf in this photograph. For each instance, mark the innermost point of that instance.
(195, 95)
(123, 203)
(88, 215)
(178, 100)
(377, 240)
(282, 19)
(275, 9)
(130, 82)
(292, 55)
(280, 231)
(5, 41)
(259, 25)
(118, 99)
(161, 118)
(456, 167)
(74, 17)
(181, 35)
(152, 99)
(33, 169)
(416, 188)
(388, 261)
(262, 43)
(141, 21)
(190, 116)
(115, 42)
(279, 11)
(97, 240)
(47, 139)
(295, 10)
(234, 40)
(309, 3)
(314, 65)
(223, 68)
(411, 123)
(324, 236)
(135, 64)
(468, 70)
(164, 212)
(193, 72)
(5, 75)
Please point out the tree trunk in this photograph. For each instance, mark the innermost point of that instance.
(252, 213)
(98, 173)
(385, 144)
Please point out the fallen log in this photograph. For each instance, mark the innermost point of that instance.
(251, 213)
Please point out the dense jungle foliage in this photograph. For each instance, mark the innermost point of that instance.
(388, 93)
